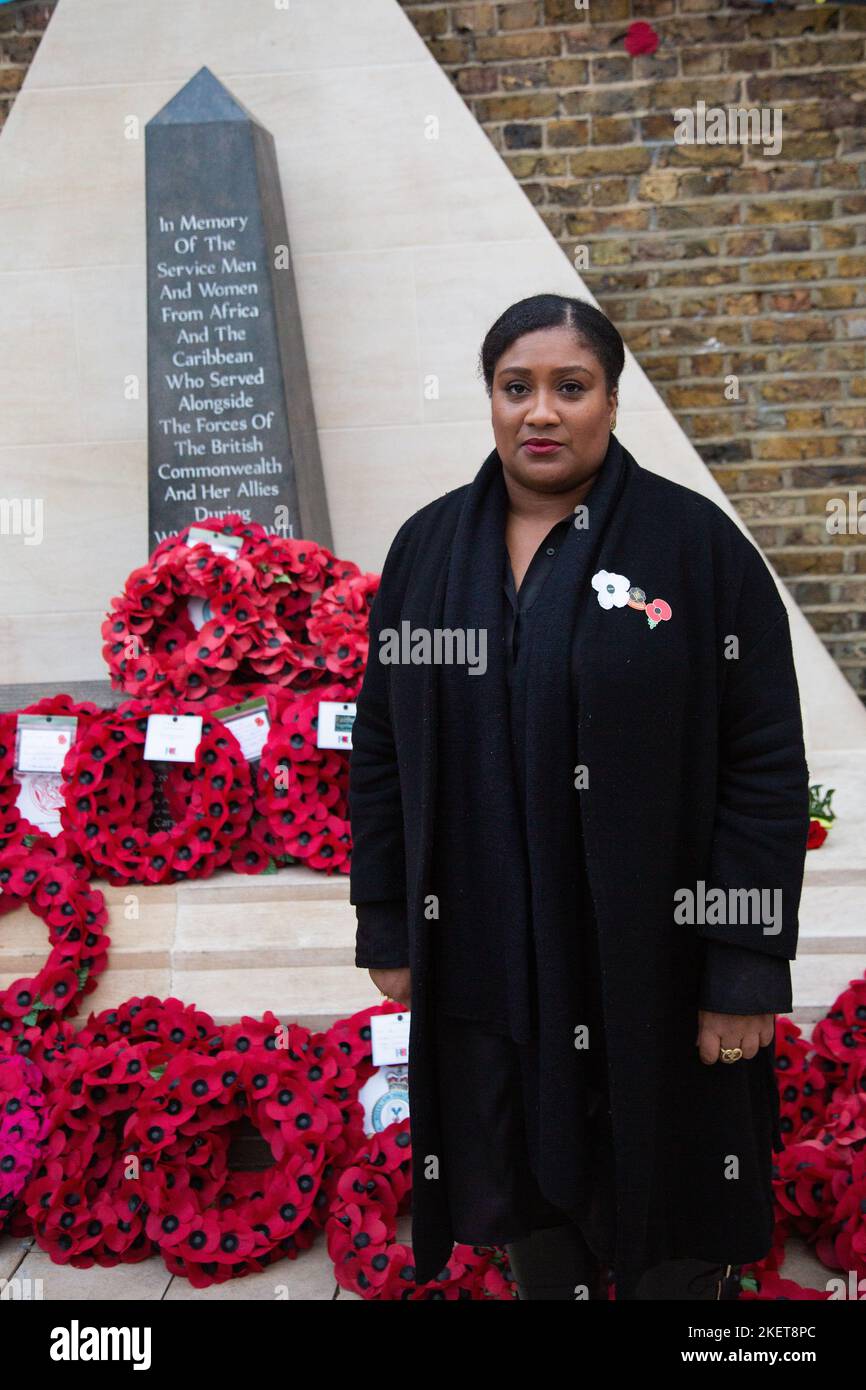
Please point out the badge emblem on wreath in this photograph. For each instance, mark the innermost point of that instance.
(393, 1105)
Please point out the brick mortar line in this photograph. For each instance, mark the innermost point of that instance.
(768, 432)
(756, 377)
(646, 83)
(701, 411)
(774, 316)
(752, 378)
(727, 287)
(695, 199)
(659, 22)
(784, 550)
(723, 261)
(801, 492)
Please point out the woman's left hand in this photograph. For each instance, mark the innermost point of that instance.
(748, 1031)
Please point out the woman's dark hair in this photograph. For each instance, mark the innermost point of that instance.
(589, 325)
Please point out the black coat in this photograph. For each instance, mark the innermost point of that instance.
(699, 776)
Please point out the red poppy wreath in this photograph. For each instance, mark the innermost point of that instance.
(253, 610)
(110, 798)
(302, 790)
(84, 1207)
(54, 889)
(373, 1188)
(212, 1223)
(50, 1045)
(15, 828)
(326, 1066)
(171, 1024)
(363, 1223)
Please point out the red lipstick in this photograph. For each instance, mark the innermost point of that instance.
(541, 446)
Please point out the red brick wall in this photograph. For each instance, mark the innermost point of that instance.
(21, 28)
(712, 260)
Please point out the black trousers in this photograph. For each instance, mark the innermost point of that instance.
(494, 1198)
(486, 1088)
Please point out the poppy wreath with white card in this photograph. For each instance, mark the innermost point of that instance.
(373, 1189)
(110, 798)
(15, 828)
(302, 790)
(194, 620)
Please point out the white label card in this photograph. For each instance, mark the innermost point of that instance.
(39, 799)
(390, 1034)
(172, 738)
(43, 741)
(199, 611)
(219, 543)
(250, 725)
(334, 724)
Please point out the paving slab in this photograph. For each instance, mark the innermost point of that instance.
(133, 1283)
(309, 1278)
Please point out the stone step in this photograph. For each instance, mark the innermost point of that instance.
(238, 945)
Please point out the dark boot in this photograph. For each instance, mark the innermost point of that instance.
(555, 1263)
(691, 1280)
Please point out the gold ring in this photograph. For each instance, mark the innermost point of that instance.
(731, 1054)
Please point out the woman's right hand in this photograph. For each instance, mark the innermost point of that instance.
(396, 984)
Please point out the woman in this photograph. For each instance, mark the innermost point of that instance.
(579, 807)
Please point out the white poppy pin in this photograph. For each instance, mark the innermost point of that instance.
(615, 591)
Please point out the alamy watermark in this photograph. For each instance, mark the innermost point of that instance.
(847, 516)
(729, 125)
(729, 907)
(23, 516)
(438, 646)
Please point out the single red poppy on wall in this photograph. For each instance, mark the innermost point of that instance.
(640, 38)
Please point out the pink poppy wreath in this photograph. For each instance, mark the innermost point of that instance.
(22, 1128)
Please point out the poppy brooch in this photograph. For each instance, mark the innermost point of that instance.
(615, 591)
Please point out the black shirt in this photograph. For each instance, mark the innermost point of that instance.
(519, 601)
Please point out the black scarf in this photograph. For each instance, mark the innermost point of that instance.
(512, 890)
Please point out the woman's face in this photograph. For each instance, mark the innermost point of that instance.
(548, 386)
